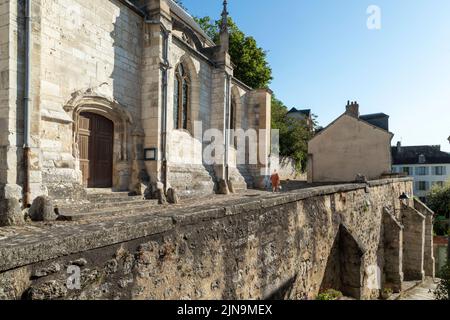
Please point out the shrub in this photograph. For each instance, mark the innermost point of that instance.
(443, 289)
(387, 293)
(330, 294)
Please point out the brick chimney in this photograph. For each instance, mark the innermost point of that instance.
(399, 147)
(352, 109)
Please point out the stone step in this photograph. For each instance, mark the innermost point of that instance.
(107, 195)
(113, 198)
(95, 206)
(77, 216)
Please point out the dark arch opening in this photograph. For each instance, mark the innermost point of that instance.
(344, 271)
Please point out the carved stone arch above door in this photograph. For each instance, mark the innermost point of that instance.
(97, 101)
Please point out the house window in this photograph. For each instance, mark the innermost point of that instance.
(422, 158)
(439, 171)
(407, 170)
(421, 171)
(422, 185)
(181, 98)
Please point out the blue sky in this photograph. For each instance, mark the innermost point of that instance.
(323, 54)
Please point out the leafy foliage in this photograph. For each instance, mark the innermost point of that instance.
(439, 200)
(443, 289)
(330, 294)
(294, 134)
(251, 63)
(252, 68)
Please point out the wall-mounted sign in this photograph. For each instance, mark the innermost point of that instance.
(151, 154)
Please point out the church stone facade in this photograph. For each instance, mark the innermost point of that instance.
(110, 97)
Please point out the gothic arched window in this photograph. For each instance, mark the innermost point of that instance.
(232, 125)
(181, 98)
(233, 115)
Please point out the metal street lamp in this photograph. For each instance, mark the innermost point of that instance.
(404, 198)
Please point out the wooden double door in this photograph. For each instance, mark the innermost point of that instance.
(96, 141)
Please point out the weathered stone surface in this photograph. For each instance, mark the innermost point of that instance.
(172, 196)
(191, 180)
(79, 262)
(161, 196)
(11, 213)
(140, 189)
(255, 248)
(223, 187)
(44, 272)
(231, 186)
(42, 209)
(49, 290)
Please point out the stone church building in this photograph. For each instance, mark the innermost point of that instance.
(107, 94)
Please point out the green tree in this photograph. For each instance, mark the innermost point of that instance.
(439, 200)
(294, 134)
(443, 289)
(253, 69)
(250, 60)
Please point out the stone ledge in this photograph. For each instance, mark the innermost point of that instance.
(51, 244)
(382, 182)
(25, 249)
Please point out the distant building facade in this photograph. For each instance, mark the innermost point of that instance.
(301, 115)
(351, 146)
(427, 164)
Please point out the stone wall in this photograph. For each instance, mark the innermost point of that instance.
(429, 262)
(98, 44)
(4, 91)
(275, 246)
(285, 167)
(413, 244)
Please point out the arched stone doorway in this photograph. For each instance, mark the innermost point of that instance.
(115, 122)
(96, 143)
(344, 271)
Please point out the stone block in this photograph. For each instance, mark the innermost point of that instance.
(42, 209)
(11, 213)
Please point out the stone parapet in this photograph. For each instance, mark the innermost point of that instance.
(246, 248)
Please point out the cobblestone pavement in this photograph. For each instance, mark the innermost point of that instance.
(425, 291)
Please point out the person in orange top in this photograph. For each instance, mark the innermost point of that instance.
(275, 179)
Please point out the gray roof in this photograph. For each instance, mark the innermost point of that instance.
(419, 155)
(306, 112)
(380, 120)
